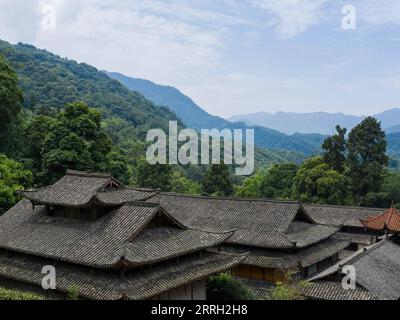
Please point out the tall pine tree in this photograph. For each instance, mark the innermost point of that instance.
(367, 157)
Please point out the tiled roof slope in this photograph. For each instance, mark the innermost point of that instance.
(101, 243)
(389, 220)
(377, 269)
(290, 260)
(331, 290)
(258, 223)
(101, 285)
(79, 189)
(340, 215)
(155, 245)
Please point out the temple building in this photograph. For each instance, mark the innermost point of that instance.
(348, 219)
(387, 222)
(106, 242)
(377, 270)
(376, 267)
(279, 236)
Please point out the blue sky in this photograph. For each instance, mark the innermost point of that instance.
(230, 56)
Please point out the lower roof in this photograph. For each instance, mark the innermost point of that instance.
(340, 215)
(102, 285)
(263, 223)
(293, 260)
(377, 269)
(332, 290)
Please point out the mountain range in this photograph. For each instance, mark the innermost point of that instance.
(133, 106)
(50, 82)
(193, 116)
(317, 122)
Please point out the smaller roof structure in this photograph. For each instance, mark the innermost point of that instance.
(377, 268)
(81, 189)
(262, 223)
(389, 221)
(340, 215)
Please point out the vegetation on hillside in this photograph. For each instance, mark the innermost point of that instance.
(7, 294)
(352, 170)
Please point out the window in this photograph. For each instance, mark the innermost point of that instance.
(312, 269)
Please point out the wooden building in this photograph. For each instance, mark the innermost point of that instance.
(377, 270)
(106, 242)
(376, 267)
(278, 236)
(348, 219)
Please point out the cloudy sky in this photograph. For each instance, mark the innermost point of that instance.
(230, 56)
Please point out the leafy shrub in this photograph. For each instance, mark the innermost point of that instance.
(7, 294)
(225, 287)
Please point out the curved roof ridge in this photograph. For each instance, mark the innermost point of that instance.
(172, 194)
(384, 221)
(88, 174)
(340, 206)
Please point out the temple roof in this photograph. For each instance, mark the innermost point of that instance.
(387, 221)
(290, 260)
(258, 222)
(340, 215)
(377, 268)
(101, 285)
(80, 189)
(121, 235)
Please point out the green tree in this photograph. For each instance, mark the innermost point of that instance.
(290, 289)
(217, 180)
(315, 182)
(335, 147)
(74, 139)
(367, 157)
(225, 287)
(11, 98)
(13, 177)
(181, 184)
(154, 176)
(278, 181)
(250, 187)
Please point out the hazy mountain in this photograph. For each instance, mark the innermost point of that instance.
(317, 122)
(183, 106)
(394, 129)
(193, 116)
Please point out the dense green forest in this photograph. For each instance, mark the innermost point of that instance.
(58, 115)
(352, 170)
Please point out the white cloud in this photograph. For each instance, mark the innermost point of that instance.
(292, 16)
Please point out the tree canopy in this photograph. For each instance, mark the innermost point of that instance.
(13, 177)
(217, 180)
(367, 157)
(11, 98)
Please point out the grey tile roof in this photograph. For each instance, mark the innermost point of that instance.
(305, 234)
(377, 268)
(290, 260)
(331, 290)
(78, 189)
(101, 285)
(155, 245)
(340, 215)
(258, 222)
(99, 243)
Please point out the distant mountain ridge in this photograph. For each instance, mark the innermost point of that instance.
(193, 116)
(183, 106)
(316, 122)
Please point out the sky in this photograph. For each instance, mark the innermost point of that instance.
(230, 56)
